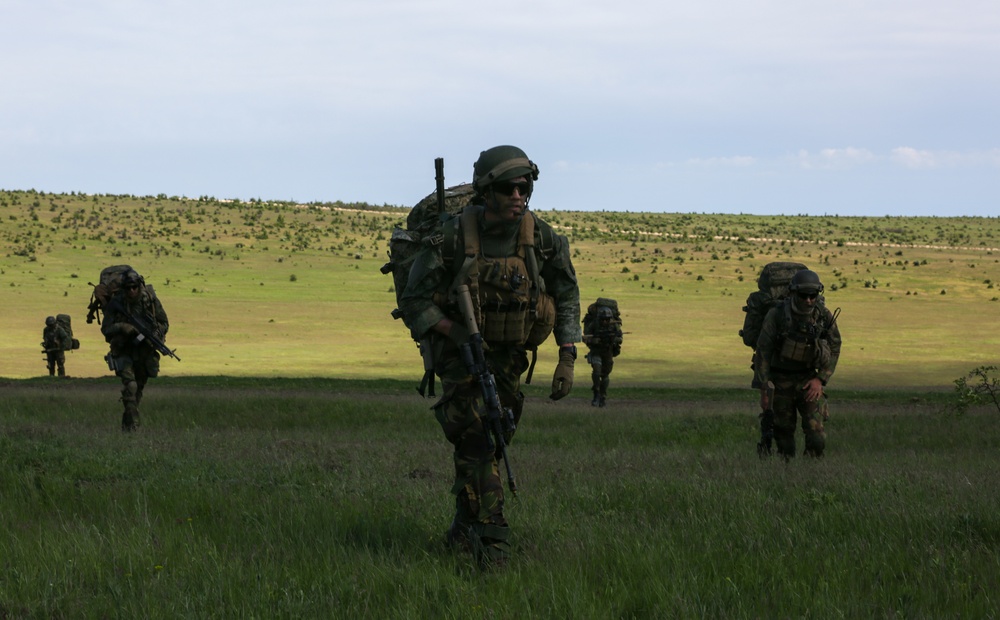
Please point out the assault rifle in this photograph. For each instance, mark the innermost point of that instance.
(499, 420)
(146, 332)
(426, 345)
(767, 424)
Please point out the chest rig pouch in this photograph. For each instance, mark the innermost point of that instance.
(800, 341)
(508, 294)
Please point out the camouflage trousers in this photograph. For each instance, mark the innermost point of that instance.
(478, 487)
(134, 366)
(789, 404)
(602, 362)
(56, 360)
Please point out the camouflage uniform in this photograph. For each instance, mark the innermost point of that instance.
(133, 362)
(479, 521)
(819, 336)
(56, 342)
(603, 337)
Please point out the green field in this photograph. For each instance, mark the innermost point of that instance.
(284, 290)
(286, 468)
(321, 498)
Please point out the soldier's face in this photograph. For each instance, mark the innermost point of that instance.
(132, 290)
(506, 200)
(806, 300)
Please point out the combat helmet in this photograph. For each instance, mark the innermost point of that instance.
(50, 321)
(805, 281)
(130, 278)
(502, 163)
(605, 314)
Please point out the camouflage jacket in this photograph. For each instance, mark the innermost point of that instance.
(820, 337)
(147, 307)
(55, 337)
(432, 274)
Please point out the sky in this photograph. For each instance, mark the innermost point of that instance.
(812, 107)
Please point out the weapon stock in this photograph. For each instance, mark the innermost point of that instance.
(498, 419)
(146, 333)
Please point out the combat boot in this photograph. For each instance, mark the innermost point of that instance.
(457, 537)
(130, 417)
(602, 401)
(490, 546)
(596, 402)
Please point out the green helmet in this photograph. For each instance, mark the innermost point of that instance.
(131, 277)
(502, 163)
(50, 321)
(805, 281)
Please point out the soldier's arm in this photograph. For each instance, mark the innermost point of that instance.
(561, 284)
(766, 343)
(161, 317)
(110, 327)
(416, 303)
(833, 337)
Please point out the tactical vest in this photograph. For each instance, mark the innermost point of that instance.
(508, 293)
(144, 307)
(802, 340)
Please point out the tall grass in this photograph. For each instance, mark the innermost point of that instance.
(252, 498)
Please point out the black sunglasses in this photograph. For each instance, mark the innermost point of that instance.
(132, 287)
(808, 295)
(506, 188)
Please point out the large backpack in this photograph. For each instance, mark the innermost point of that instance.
(772, 289)
(108, 285)
(64, 321)
(590, 318)
(423, 226)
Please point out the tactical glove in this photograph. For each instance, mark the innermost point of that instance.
(127, 329)
(562, 380)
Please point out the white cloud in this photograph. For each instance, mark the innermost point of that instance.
(737, 160)
(917, 159)
(835, 159)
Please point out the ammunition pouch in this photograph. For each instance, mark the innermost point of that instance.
(798, 349)
(541, 321)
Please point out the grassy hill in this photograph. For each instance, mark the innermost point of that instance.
(281, 289)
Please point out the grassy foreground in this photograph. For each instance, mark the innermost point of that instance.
(328, 498)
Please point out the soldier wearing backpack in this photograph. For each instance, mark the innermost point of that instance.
(133, 358)
(56, 341)
(523, 286)
(798, 349)
(602, 333)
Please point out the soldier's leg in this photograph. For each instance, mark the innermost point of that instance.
(50, 363)
(61, 363)
(479, 514)
(129, 389)
(784, 418)
(595, 376)
(813, 415)
(607, 365)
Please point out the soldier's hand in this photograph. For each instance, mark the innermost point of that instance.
(813, 390)
(127, 329)
(765, 402)
(562, 380)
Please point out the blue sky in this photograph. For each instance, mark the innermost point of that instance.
(849, 107)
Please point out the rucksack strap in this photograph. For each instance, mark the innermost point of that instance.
(468, 272)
